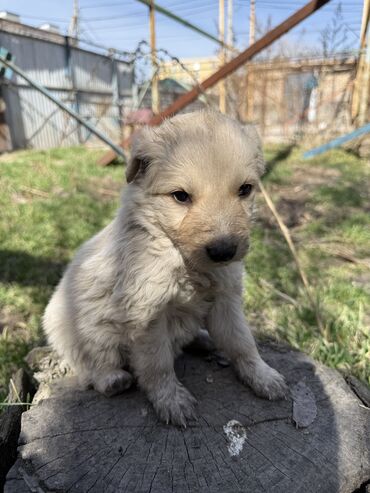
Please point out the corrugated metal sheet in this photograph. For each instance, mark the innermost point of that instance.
(36, 122)
(125, 78)
(43, 61)
(92, 71)
(99, 111)
(87, 81)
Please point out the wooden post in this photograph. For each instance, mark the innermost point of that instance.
(70, 71)
(155, 92)
(221, 33)
(263, 105)
(116, 95)
(365, 86)
(230, 36)
(252, 39)
(5, 139)
(252, 22)
(251, 89)
(74, 27)
(359, 91)
(229, 41)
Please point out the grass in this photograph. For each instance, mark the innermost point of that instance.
(51, 201)
(328, 214)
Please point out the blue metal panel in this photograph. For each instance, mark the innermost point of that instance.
(338, 141)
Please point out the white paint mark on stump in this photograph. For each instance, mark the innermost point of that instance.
(236, 436)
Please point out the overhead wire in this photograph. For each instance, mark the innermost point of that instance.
(134, 19)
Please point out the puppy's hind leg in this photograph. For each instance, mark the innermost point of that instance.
(102, 369)
(201, 345)
(113, 382)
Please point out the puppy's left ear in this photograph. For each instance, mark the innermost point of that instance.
(140, 155)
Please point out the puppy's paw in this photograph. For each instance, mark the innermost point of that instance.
(265, 381)
(113, 383)
(176, 406)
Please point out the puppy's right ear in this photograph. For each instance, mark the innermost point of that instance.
(140, 155)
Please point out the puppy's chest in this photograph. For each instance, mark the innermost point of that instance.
(196, 291)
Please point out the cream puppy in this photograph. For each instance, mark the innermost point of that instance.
(169, 264)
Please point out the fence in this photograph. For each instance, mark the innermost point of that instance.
(286, 98)
(99, 87)
(291, 99)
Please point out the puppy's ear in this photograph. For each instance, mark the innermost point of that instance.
(256, 142)
(140, 154)
(136, 166)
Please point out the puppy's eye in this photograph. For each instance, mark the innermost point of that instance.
(181, 196)
(245, 190)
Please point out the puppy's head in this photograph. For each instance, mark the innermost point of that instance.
(196, 176)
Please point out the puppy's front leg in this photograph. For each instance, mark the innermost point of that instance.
(152, 358)
(230, 332)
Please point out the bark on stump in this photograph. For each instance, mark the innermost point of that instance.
(81, 441)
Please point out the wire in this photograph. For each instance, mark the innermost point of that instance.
(120, 4)
(192, 10)
(91, 30)
(99, 5)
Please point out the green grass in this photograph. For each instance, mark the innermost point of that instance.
(51, 201)
(331, 194)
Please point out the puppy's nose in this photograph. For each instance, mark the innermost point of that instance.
(221, 250)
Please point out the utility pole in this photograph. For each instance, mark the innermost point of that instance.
(155, 92)
(74, 28)
(250, 74)
(230, 35)
(229, 40)
(360, 97)
(252, 22)
(364, 101)
(221, 33)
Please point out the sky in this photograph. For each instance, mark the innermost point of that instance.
(123, 24)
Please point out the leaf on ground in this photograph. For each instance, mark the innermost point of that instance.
(304, 405)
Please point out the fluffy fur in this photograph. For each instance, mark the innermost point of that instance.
(143, 287)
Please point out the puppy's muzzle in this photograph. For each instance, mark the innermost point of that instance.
(221, 250)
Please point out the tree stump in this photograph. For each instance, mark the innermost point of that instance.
(81, 441)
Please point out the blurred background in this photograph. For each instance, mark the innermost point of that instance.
(78, 77)
(106, 59)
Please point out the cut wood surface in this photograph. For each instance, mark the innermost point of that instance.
(82, 441)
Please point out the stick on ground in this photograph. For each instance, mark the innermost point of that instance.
(293, 250)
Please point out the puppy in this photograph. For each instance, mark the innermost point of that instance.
(168, 265)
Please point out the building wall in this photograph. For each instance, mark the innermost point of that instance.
(98, 87)
(273, 94)
(298, 98)
(192, 69)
